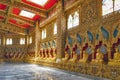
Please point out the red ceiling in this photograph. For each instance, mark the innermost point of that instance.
(17, 12)
(20, 24)
(3, 7)
(1, 17)
(46, 6)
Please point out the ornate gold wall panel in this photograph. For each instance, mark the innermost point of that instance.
(91, 22)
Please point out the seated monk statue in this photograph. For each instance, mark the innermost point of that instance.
(66, 58)
(99, 56)
(54, 57)
(46, 55)
(74, 58)
(116, 55)
(41, 56)
(116, 58)
(49, 57)
(85, 57)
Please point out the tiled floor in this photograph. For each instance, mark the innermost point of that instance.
(23, 71)
(33, 72)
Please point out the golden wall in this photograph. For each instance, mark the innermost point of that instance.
(89, 48)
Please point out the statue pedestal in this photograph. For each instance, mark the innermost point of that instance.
(1, 60)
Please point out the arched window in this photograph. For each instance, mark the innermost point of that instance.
(70, 19)
(107, 6)
(0, 41)
(9, 41)
(30, 40)
(22, 41)
(43, 33)
(117, 5)
(76, 19)
(55, 28)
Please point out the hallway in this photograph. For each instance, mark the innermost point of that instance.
(22, 71)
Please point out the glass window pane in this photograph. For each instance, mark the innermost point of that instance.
(70, 19)
(55, 28)
(117, 5)
(43, 33)
(30, 40)
(107, 6)
(76, 19)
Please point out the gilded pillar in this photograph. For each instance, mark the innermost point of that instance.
(2, 47)
(37, 39)
(61, 30)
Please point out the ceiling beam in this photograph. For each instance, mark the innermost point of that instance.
(8, 13)
(12, 28)
(3, 13)
(30, 8)
(22, 5)
(12, 16)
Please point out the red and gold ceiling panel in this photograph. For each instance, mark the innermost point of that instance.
(19, 23)
(3, 7)
(43, 4)
(25, 14)
(1, 18)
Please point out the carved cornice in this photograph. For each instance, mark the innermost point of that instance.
(111, 18)
(46, 21)
(72, 4)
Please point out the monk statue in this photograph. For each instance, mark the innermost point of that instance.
(46, 54)
(116, 55)
(49, 57)
(85, 57)
(66, 58)
(116, 58)
(99, 56)
(74, 58)
(54, 57)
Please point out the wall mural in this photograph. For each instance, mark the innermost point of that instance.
(103, 49)
(49, 45)
(89, 50)
(90, 36)
(115, 33)
(97, 36)
(53, 43)
(77, 50)
(70, 41)
(88, 47)
(105, 33)
(79, 39)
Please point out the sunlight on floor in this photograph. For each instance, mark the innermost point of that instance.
(34, 72)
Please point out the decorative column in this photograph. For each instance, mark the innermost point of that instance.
(37, 39)
(2, 47)
(61, 30)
